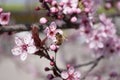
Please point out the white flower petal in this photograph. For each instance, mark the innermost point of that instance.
(18, 41)
(31, 49)
(100, 45)
(47, 30)
(23, 56)
(64, 75)
(31, 42)
(92, 44)
(71, 70)
(53, 26)
(76, 74)
(27, 39)
(16, 51)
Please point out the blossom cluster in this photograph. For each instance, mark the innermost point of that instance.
(70, 9)
(4, 17)
(102, 37)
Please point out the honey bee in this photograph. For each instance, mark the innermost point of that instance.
(59, 38)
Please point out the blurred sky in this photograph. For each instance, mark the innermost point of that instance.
(12, 1)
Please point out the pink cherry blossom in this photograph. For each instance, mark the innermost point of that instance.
(111, 46)
(54, 2)
(52, 30)
(43, 20)
(107, 27)
(78, 10)
(96, 40)
(24, 46)
(53, 9)
(4, 18)
(85, 33)
(71, 74)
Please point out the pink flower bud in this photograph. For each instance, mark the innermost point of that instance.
(52, 57)
(86, 9)
(43, 20)
(54, 3)
(47, 68)
(74, 10)
(108, 5)
(53, 9)
(60, 8)
(68, 66)
(69, 11)
(53, 47)
(61, 3)
(37, 8)
(52, 63)
(78, 10)
(73, 19)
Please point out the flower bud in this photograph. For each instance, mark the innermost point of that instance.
(73, 19)
(37, 8)
(50, 76)
(52, 63)
(47, 69)
(43, 20)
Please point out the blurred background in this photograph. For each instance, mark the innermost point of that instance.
(12, 68)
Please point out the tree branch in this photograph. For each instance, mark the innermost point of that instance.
(95, 63)
(27, 27)
(90, 63)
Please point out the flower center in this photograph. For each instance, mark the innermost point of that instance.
(71, 77)
(4, 18)
(51, 33)
(24, 47)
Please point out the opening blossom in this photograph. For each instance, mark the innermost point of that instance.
(24, 46)
(71, 74)
(4, 18)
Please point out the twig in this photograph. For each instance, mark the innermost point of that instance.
(93, 66)
(48, 57)
(89, 63)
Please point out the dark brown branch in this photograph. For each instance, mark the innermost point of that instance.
(27, 27)
(48, 57)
